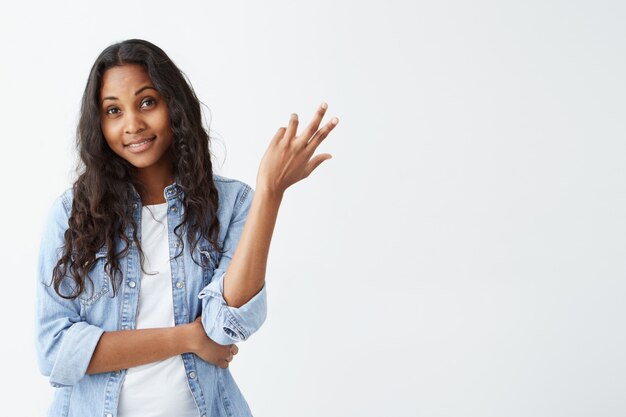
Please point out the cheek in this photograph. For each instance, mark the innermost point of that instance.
(162, 118)
(163, 123)
(108, 128)
(108, 131)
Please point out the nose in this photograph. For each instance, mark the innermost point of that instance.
(134, 123)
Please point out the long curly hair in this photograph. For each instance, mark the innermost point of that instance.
(106, 186)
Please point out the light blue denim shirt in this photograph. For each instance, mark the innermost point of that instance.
(67, 331)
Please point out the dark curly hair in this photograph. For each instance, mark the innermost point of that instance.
(105, 189)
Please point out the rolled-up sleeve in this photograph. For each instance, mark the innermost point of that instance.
(223, 323)
(64, 341)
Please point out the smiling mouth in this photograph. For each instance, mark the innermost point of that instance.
(140, 144)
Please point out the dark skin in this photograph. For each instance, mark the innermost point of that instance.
(133, 111)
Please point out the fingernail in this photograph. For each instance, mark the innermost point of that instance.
(294, 116)
(324, 105)
(334, 120)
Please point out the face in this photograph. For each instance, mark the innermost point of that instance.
(135, 119)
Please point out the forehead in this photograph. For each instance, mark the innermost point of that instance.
(124, 79)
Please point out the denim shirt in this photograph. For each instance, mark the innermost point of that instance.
(67, 331)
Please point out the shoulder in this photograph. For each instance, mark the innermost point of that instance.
(232, 192)
(62, 205)
(56, 222)
(66, 198)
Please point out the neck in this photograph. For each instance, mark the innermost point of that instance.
(154, 179)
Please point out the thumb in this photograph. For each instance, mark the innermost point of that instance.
(315, 162)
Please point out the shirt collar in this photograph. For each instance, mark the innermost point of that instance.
(169, 192)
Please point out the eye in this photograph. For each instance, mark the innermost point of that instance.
(148, 102)
(112, 110)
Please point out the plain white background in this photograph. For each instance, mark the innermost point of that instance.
(462, 254)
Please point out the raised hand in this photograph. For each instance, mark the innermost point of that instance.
(288, 157)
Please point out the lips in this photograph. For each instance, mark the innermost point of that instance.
(140, 145)
(140, 142)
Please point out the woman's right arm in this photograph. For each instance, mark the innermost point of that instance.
(128, 348)
(64, 341)
(69, 347)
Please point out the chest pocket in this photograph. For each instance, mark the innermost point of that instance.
(100, 283)
(208, 261)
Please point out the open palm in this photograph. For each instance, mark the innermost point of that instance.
(289, 157)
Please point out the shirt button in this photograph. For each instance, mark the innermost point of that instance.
(134, 205)
(192, 375)
(179, 284)
(174, 208)
(177, 243)
(131, 284)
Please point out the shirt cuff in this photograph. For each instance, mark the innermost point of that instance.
(225, 324)
(79, 343)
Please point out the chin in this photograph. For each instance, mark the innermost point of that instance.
(142, 164)
(148, 160)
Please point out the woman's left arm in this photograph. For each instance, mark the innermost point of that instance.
(234, 303)
(287, 160)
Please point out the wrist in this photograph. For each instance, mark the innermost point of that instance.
(268, 198)
(268, 191)
(187, 336)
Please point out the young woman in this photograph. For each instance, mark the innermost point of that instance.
(151, 267)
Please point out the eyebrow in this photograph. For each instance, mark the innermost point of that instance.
(145, 87)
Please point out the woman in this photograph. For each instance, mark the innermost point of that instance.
(151, 267)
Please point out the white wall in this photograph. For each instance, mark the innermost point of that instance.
(463, 252)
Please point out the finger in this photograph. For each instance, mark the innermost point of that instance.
(234, 349)
(321, 134)
(229, 358)
(292, 127)
(223, 364)
(315, 162)
(279, 134)
(314, 125)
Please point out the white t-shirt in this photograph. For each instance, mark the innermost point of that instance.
(157, 389)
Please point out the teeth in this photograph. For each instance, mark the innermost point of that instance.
(136, 145)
